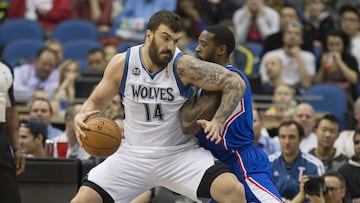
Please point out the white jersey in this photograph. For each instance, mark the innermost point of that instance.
(6, 81)
(152, 102)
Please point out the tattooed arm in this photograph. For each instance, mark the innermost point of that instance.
(213, 77)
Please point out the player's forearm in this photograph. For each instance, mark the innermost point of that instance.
(232, 94)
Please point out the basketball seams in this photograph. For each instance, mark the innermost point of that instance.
(97, 148)
(103, 137)
(99, 132)
(108, 121)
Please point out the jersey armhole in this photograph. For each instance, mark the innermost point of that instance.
(124, 77)
(185, 91)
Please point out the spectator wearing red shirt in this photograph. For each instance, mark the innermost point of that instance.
(47, 12)
(97, 11)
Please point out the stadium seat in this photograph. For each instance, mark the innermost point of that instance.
(256, 49)
(15, 29)
(21, 51)
(79, 49)
(75, 30)
(327, 98)
(244, 59)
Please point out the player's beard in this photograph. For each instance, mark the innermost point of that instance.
(155, 57)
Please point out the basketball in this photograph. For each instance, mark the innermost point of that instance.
(103, 137)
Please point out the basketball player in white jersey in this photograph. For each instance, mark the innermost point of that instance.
(154, 80)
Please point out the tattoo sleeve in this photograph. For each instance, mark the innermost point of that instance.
(213, 77)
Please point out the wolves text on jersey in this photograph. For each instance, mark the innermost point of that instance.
(156, 93)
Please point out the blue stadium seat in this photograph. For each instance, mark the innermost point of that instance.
(75, 30)
(327, 98)
(244, 60)
(79, 49)
(22, 50)
(15, 29)
(256, 49)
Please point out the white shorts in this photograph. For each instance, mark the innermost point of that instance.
(133, 170)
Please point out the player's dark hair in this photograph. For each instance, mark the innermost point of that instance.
(299, 127)
(170, 19)
(222, 35)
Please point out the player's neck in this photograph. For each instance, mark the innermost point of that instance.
(146, 60)
(224, 62)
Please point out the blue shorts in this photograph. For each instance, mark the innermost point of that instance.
(253, 169)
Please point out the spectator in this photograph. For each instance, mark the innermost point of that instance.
(350, 24)
(333, 190)
(318, 21)
(266, 143)
(290, 163)
(41, 108)
(277, 5)
(215, 11)
(69, 71)
(345, 143)
(283, 102)
(115, 109)
(74, 150)
(274, 41)
(273, 69)
(338, 66)
(40, 75)
(56, 46)
(96, 60)
(335, 186)
(327, 131)
(132, 20)
(32, 136)
(351, 170)
(96, 11)
(189, 11)
(255, 21)
(48, 13)
(298, 65)
(304, 114)
(110, 51)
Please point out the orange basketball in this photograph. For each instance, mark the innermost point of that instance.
(103, 137)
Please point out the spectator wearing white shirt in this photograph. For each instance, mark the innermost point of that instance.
(299, 66)
(344, 142)
(255, 21)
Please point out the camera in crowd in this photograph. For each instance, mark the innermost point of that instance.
(314, 185)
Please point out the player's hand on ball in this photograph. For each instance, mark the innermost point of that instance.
(79, 124)
(212, 130)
